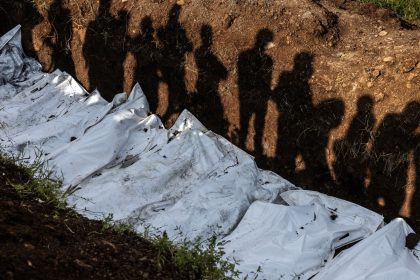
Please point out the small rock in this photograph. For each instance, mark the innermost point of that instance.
(383, 33)
(270, 45)
(412, 76)
(28, 246)
(379, 97)
(376, 73)
(82, 264)
(388, 59)
(180, 2)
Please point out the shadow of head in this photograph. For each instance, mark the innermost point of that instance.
(206, 34)
(146, 25)
(330, 112)
(411, 115)
(174, 13)
(364, 104)
(303, 65)
(263, 38)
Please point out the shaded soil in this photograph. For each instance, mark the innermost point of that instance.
(326, 93)
(40, 242)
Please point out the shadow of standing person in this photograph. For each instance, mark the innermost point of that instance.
(394, 140)
(255, 69)
(207, 101)
(60, 36)
(303, 129)
(416, 195)
(352, 152)
(294, 102)
(104, 50)
(145, 50)
(175, 45)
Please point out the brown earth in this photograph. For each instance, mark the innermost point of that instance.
(37, 241)
(326, 93)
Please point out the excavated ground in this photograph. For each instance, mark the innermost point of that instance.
(325, 93)
(39, 241)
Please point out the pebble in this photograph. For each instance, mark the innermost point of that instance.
(376, 73)
(388, 59)
(180, 2)
(379, 97)
(383, 33)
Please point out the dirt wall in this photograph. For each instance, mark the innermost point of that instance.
(326, 93)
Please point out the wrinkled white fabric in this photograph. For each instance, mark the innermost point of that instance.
(295, 242)
(382, 255)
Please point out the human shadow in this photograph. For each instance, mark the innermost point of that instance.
(175, 46)
(303, 128)
(255, 69)
(416, 195)
(352, 155)
(211, 72)
(394, 140)
(148, 58)
(60, 36)
(104, 50)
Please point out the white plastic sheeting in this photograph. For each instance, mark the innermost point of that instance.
(296, 241)
(188, 181)
(382, 255)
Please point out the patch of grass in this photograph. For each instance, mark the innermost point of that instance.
(34, 180)
(407, 9)
(198, 259)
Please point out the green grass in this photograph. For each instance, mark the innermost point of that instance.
(406, 9)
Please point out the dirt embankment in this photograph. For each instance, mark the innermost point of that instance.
(326, 93)
(39, 241)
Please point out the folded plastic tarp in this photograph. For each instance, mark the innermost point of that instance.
(295, 242)
(187, 179)
(100, 144)
(383, 255)
(17, 71)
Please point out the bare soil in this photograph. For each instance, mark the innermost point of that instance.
(324, 92)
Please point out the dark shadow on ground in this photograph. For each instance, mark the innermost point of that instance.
(175, 45)
(60, 36)
(148, 58)
(211, 72)
(255, 69)
(352, 152)
(105, 37)
(303, 128)
(394, 140)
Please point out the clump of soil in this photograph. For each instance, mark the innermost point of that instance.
(37, 241)
(325, 93)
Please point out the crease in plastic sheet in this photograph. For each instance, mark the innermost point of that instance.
(186, 180)
(382, 255)
(17, 71)
(296, 241)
